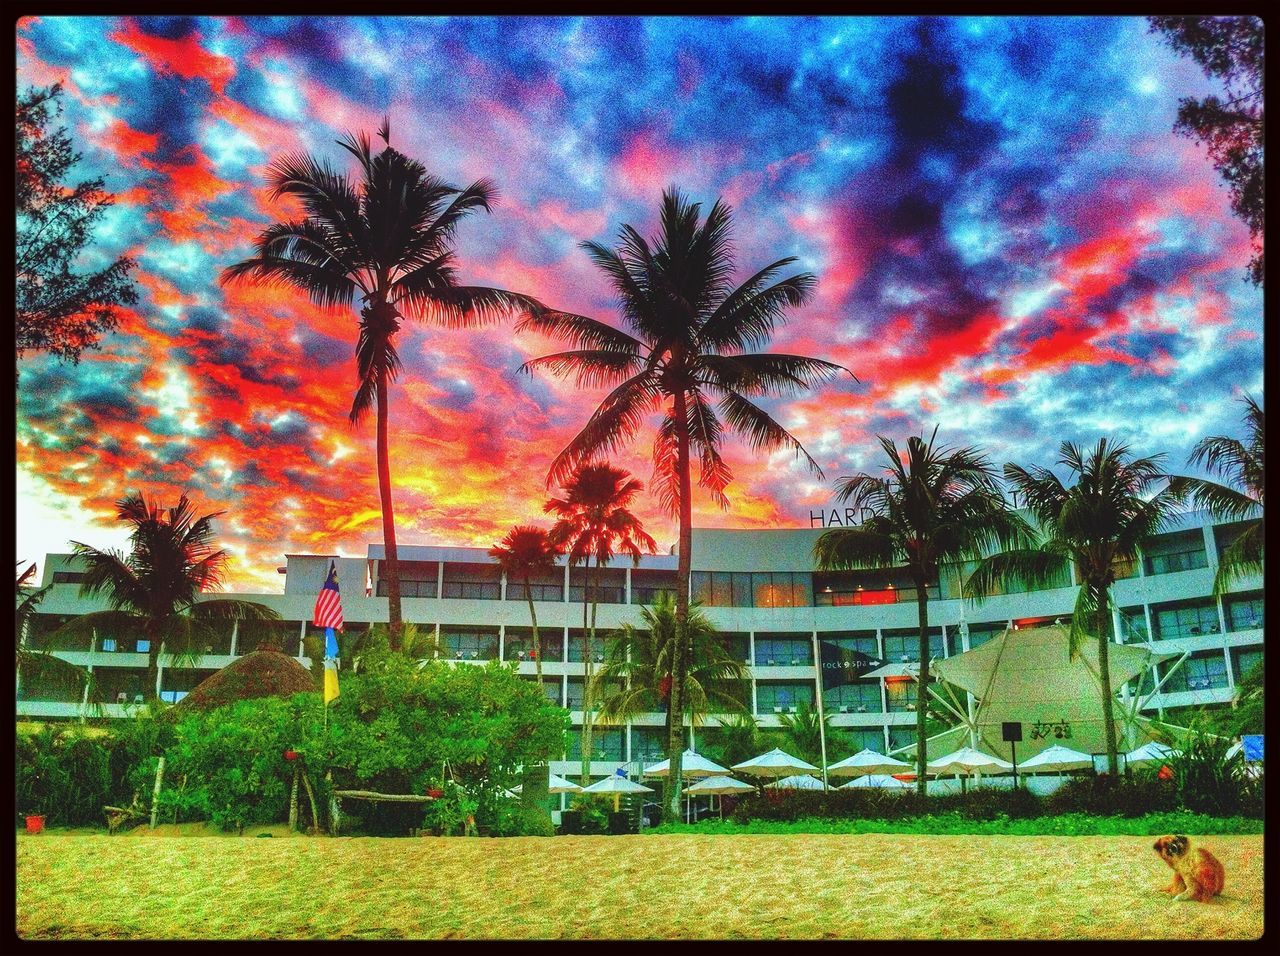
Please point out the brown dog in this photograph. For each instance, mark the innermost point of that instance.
(1197, 874)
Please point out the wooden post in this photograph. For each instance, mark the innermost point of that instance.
(293, 801)
(155, 793)
(311, 797)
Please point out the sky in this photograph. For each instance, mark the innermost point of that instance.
(1010, 243)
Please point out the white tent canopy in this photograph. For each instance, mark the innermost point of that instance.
(718, 785)
(692, 765)
(1057, 758)
(775, 763)
(866, 762)
(615, 784)
(968, 760)
(800, 781)
(881, 780)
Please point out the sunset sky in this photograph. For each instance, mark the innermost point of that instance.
(1010, 242)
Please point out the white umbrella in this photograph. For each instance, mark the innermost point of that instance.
(555, 784)
(776, 763)
(692, 765)
(1057, 758)
(718, 785)
(967, 760)
(882, 780)
(798, 782)
(866, 762)
(1149, 754)
(617, 786)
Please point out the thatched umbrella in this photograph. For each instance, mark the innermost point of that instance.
(261, 673)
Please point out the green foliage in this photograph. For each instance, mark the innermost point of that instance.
(1208, 782)
(1129, 796)
(738, 738)
(59, 309)
(448, 814)
(1071, 824)
(593, 812)
(63, 774)
(804, 731)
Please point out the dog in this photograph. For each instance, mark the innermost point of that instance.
(1197, 874)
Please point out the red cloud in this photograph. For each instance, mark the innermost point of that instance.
(184, 57)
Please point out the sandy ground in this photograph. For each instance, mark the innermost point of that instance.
(805, 887)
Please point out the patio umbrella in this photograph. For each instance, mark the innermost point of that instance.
(692, 765)
(866, 762)
(1057, 758)
(776, 763)
(881, 780)
(555, 784)
(800, 781)
(967, 760)
(617, 786)
(1149, 753)
(718, 785)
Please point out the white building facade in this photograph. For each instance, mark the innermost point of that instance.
(760, 588)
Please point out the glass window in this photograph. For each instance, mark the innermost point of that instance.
(176, 683)
(647, 584)
(902, 737)
(903, 644)
(573, 696)
(550, 687)
(1198, 672)
(1189, 620)
(779, 697)
(865, 738)
(283, 636)
(860, 642)
(901, 695)
(468, 643)
(1245, 660)
(979, 634)
(609, 585)
(737, 646)
(648, 744)
(518, 644)
(68, 577)
(783, 650)
(607, 743)
(120, 685)
(1244, 613)
(577, 645)
(858, 697)
(42, 627)
(1133, 625)
(411, 588)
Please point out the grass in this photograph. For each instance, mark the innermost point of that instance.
(860, 887)
(1066, 824)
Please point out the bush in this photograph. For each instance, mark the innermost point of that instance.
(1206, 781)
(1123, 796)
(62, 774)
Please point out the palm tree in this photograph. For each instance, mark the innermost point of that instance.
(638, 661)
(689, 332)
(526, 551)
(388, 238)
(593, 524)
(33, 662)
(158, 586)
(932, 506)
(1240, 466)
(805, 730)
(1098, 523)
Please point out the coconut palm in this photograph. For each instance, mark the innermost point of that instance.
(931, 506)
(685, 352)
(804, 731)
(1239, 465)
(388, 238)
(1098, 523)
(526, 551)
(593, 524)
(638, 662)
(159, 586)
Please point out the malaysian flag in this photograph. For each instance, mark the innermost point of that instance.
(328, 611)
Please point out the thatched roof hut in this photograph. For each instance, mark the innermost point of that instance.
(261, 673)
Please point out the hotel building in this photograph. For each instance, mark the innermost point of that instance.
(760, 589)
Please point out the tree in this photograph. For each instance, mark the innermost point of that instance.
(387, 237)
(59, 308)
(934, 506)
(690, 330)
(526, 551)
(159, 585)
(638, 661)
(1098, 523)
(1239, 465)
(1229, 49)
(805, 730)
(36, 663)
(593, 524)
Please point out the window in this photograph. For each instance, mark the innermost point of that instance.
(722, 588)
(283, 636)
(648, 583)
(1185, 559)
(778, 650)
(860, 642)
(858, 697)
(607, 743)
(1245, 660)
(410, 588)
(518, 644)
(472, 582)
(1133, 625)
(1189, 620)
(737, 646)
(1198, 672)
(865, 738)
(108, 643)
(609, 585)
(573, 697)
(1244, 613)
(979, 634)
(901, 695)
(778, 697)
(903, 644)
(577, 645)
(516, 591)
(758, 589)
(648, 744)
(68, 577)
(41, 631)
(469, 643)
(902, 737)
(550, 687)
(178, 682)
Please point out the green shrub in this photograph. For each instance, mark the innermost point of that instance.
(1131, 796)
(64, 774)
(1206, 781)
(594, 812)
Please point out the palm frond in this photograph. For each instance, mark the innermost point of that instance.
(761, 431)
(766, 373)
(995, 573)
(581, 332)
(843, 549)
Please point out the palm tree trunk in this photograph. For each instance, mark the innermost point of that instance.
(149, 692)
(586, 676)
(391, 561)
(1104, 673)
(533, 791)
(537, 641)
(922, 748)
(675, 734)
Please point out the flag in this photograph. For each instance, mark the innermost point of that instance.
(328, 612)
(841, 665)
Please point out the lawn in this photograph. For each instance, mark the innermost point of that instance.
(792, 886)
